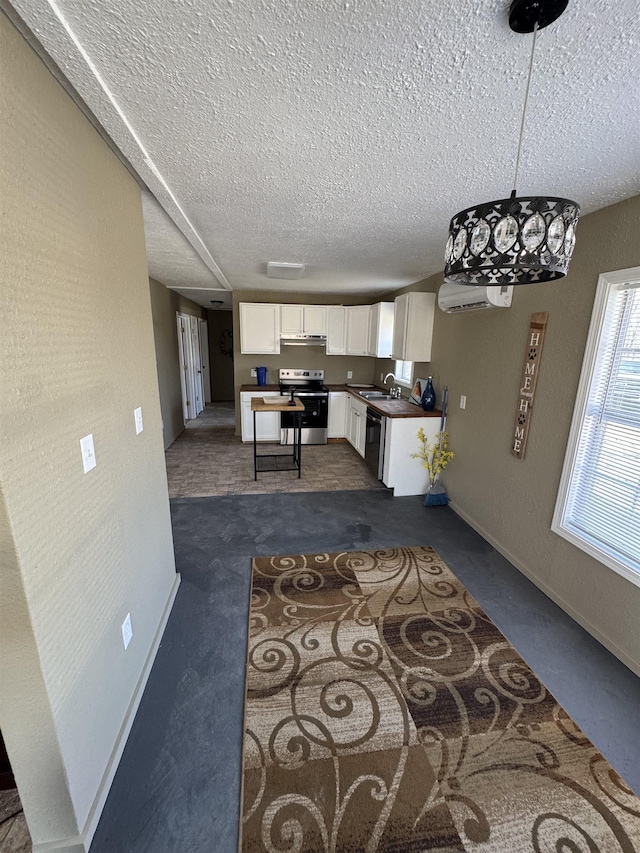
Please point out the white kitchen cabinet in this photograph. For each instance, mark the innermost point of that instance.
(267, 423)
(413, 326)
(358, 317)
(303, 320)
(291, 319)
(357, 424)
(315, 320)
(381, 330)
(259, 328)
(336, 330)
(406, 476)
(338, 407)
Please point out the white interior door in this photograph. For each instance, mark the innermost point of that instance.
(190, 366)
(184, 368)
(204, 359)
(196, 365)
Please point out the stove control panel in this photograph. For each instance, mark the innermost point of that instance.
(317, 375)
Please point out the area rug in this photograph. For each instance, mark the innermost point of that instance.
(386, 713)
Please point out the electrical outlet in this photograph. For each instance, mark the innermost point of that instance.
(463, 401)
(137, 414)
(254, 371)
(88, 453)
(349, 374)
(382, 377)
(127, 631)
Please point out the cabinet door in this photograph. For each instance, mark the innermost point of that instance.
(401, 308)
(419, 326)
(267, 423)
(374, 324)
(381, 330)
(338, 405)
(358, 329)
(259, 328)
(336, 330)
(353, 417)
(291, 319)
(315, 320)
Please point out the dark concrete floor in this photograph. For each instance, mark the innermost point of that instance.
(178, 784)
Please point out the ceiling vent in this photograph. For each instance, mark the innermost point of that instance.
(275, 270)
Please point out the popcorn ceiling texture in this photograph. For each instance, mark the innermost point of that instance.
(345, 134)
(77, 356)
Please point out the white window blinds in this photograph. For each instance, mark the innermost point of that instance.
(599, 500)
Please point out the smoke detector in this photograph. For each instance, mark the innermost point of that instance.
(276, 270)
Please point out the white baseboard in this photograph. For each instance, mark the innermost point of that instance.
(82, 842)
(607, 642)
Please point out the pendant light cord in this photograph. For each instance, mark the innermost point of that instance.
(524, 112)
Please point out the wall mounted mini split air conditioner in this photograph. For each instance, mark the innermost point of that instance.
(455, 298)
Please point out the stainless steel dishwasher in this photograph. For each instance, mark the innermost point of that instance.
(374, 442)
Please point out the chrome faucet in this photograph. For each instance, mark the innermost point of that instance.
(395, 390)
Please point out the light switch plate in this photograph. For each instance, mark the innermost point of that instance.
(88, 453)
(127, 631)
(463, 401)
(137, 414)
(349, 374)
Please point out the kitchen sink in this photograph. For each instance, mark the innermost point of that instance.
(375, 395)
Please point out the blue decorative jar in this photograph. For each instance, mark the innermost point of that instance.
(428, 398)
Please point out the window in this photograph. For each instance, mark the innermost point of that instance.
(404, 372)
(598, 507)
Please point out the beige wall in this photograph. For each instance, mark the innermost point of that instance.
(511, 501)
(79, 550)
(334, 366)
(165, 304)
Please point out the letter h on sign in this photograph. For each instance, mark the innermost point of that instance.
(529, 381)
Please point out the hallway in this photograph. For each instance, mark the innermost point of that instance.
(208, 459)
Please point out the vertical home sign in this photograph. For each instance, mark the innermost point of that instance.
(528, 384)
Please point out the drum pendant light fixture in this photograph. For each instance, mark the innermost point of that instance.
(521, 239)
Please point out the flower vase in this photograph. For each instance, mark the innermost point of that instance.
(428, 399)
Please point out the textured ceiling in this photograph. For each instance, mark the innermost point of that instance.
(344, 135)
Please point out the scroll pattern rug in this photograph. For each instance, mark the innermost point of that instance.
(385, 712)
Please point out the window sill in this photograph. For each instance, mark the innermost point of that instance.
(596, 552)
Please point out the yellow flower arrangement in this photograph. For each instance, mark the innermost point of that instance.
(435, 457)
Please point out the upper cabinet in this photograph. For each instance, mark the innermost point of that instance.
(259, 328)
(381, 330)
(336, 330)
(413, 326)
(303, 320)
(358, 317)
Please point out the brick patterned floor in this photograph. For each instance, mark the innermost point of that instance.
(209, 459)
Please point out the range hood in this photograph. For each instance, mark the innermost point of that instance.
(303, 340)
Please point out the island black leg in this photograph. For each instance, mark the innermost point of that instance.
(255, 453)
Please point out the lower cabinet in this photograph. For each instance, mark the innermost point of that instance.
(338, 407)
(267, 423)
(406, 476)
(357, 424)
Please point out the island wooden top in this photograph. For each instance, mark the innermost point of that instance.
(281, 405)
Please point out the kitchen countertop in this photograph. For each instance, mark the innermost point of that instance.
(389, 408)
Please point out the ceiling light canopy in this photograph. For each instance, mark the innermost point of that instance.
(521, 239)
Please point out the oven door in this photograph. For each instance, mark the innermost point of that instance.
(315, 419)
